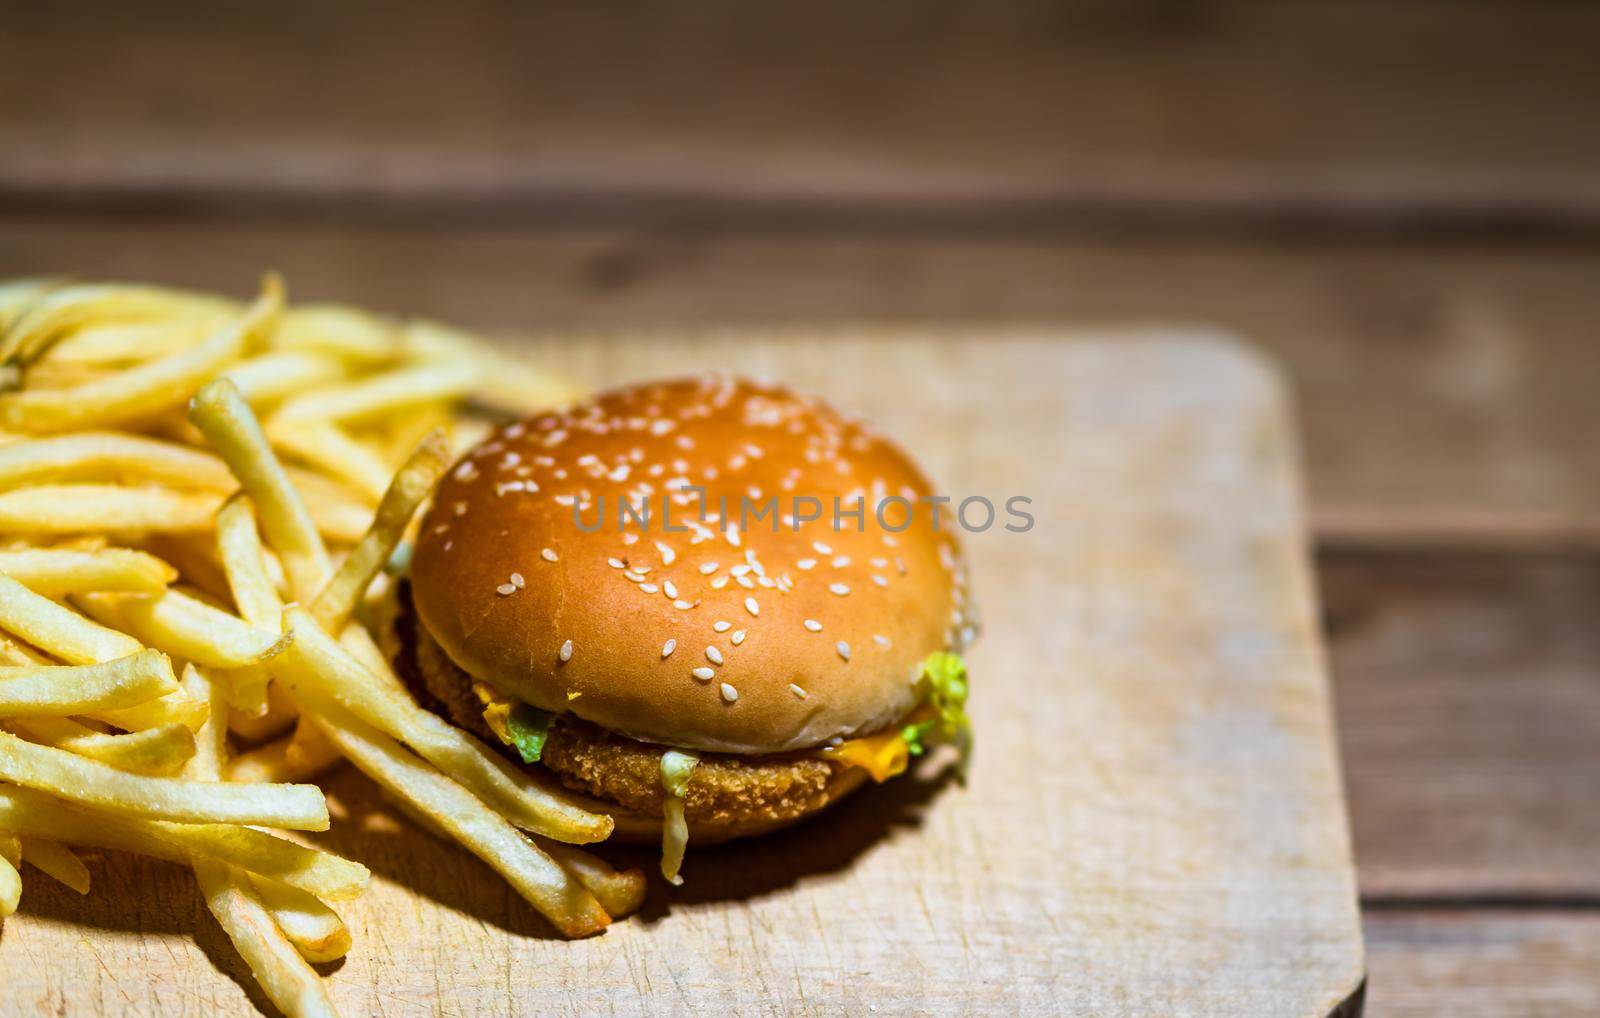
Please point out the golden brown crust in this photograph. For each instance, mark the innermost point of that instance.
(505, 579)
(727, 797)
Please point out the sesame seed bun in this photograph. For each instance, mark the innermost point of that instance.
(705, 637)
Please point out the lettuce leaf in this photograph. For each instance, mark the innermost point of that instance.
(528, 727)
(944, 686)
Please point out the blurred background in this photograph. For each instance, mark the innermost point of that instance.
(1400, 202)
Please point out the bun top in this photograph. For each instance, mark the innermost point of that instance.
(700, 630)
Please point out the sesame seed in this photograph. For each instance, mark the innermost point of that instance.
(703, 673)
(635, 577)
(719, 582)
(682, 605)
(616, 563)
(566, 651)
(505, 588)
(649, 588)
(517, 581)
(746, 582)
(880, 640)
(880, 581)
(839, 588)
(667, 554)
(806, 563)
(714, 655)
(707, 568)
(737, 637)
(629, 538)
(751, 606)
(670, 588)
(822, 549)
(549, 555)
(814, 625)
(668, 647)
(797, 691)
(841, 561)
(729, 693)
(843, 649)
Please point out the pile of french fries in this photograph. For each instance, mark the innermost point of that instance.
(200, 504)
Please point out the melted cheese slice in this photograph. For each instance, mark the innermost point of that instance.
(496, 709)
(883, 755)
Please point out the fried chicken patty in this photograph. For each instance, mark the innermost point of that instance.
(728, 796)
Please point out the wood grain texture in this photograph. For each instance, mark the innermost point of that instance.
(1446, 392)
(1294, 111)
(1510, 963)
(1468, 706)
(1154, 823)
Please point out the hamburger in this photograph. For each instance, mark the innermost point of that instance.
(710, 606)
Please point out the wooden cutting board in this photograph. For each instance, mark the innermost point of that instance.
(1154, 823)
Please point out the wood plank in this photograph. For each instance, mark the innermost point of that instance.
(1296, 111)
(1153, 823)
(1447, 393)
(1508, 963)
(1468, 702)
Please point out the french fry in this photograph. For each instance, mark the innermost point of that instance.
(56, 572)
(55, 310)
(338, 517)
(620, 892)
(19, 296)
(385, 394)
(297, 807)
(112, 457)
(231, 428)
(108, 508)
(247, 691)
(288, 981)
(309, 749)
(185, 627)
(143, 391)
(287, 759)
(119, 343)
(176, 708)
(278, 718)
(326, 445)
(58, 630)
(507, 384)
(272, 376)
(100, 745)
(315, 930)
(408, 489)
(160, 750)
(58, 861)
(33, 814)
(558, 896)
(57, 691)
(317, 670)
(10, 885)
(351, 335)
(256, 929)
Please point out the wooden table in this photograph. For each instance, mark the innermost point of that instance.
(1400, 204)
